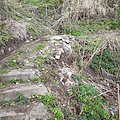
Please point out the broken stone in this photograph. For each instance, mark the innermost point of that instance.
(56, 37)
(60, 51)
(17, 29)
(39, 112)
(26, 61)
(4, 66)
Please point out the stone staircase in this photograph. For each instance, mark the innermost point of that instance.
(38, 112)
(24, 64)
(31, 111)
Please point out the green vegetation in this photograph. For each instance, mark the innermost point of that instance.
(109, 61)
(50, 5)
(3, 71)
(39, 60)
(49, 101)
(117, 21)
(6, 103)
(45, 15)
(48, 40)
(87, 100)
(55, 72)
(39, 47)
(12, 61)
(91, 28)
(14, 81)
(90, 44)
(18, 12)
(3, 83)
(4, 36)
(78, 63)
(21, 51)
(19, 101)
(37, 79)
(32, 29)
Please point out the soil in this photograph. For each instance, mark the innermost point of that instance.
(10, 46)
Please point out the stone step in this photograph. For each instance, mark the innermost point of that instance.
(37, 112)
(26, 90)
(11, 116)
(23, 74)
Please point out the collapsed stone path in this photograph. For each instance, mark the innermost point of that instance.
(53, 59)
(52, 48)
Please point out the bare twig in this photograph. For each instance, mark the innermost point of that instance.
(103, 93)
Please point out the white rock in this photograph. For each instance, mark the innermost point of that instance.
(60, 51)
(40, 85)
(14, 61)
(26, 61)
(56, 37)
(69, 74)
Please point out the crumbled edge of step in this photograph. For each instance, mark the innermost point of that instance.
(27, 91)
(22, 74)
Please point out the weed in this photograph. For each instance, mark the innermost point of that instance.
(49, 101)
(6, 103)
(24, 12)
(4, 36)
(3, 71)
(39, 47)
(29, 59)
(57, 114)
(20, 99)
(39, 60)
(91, 28)
(70, 93)
(48, 53)
(78, 63)
(109, 62)
(38, 79)
(12, 61)
(54, 82)
(55, 72)
(3, 83)
(21, 51)
(47, 39)
(51, 4)
(92, 107)
(14, 81)
(77, 47)
(32, 29)
(55, 43)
